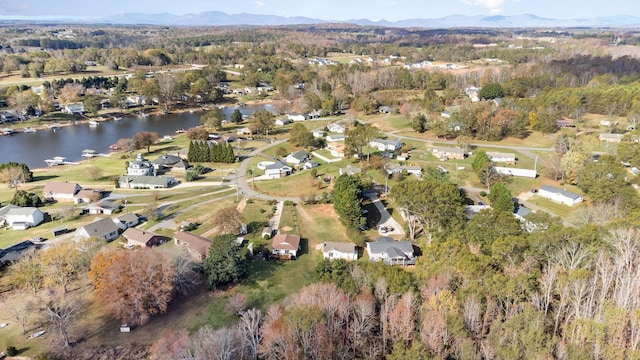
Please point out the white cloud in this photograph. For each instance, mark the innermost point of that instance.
(259, 3)
(494, 6)
(391, 3)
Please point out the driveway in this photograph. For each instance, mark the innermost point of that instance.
(385, 217)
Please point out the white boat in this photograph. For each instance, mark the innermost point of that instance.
(117, 118)
(168, 137)
(4, 325)
(143, 115)
(57, 160)
(54, 126)
(7, 131)
(29, 130)
(36, 334)
(88, 153)
(93, 123)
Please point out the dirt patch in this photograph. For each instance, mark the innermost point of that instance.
(242, 205)
(323, 209)
(286, 228)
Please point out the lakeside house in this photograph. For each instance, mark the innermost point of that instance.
(285, 246)
(170, 162)
(336, 250)
(61, 191)
(74, 109)
(560, 196)
(197, 245)
(391, 252)
(140, 166)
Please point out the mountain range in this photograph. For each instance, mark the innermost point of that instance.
(217, 18)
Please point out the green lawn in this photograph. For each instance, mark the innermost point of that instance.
(560, 210)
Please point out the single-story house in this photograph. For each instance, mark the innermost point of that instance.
(392, 168)
(391, 252)
(197, 245)
(336, 149)
(350, 170)
(76, 108)
(318, 133)
(386, 144)
(22, 218)
(87, 196)
(560, 196)
(335, 137)
(310, 165)
(277, 169)
(611, 138)
(146, 182)
(448, 153)
(128, 220)
(297, 117)
(142, 238)
(565, 123)
(105, 228)
(283, 121)
(105, 207)
(244, 131)
(384, 110)
(61, 191)
(335, 250)
(285, 246)
(170, 162)
(336, 128)
(297, 157)
(499, 157)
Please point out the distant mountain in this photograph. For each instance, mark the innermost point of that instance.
(217, 18)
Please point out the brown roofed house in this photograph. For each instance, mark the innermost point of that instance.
(142, 238)
(285, 246)
(197, 245)
(60, 191)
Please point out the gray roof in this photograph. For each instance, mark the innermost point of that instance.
(449, 150)
(276, 165)
(341, 247)
(167, 160)
(565, 193)
(386, 245)
(148, 180)
(300, 155)
(387, 141)
(22, 211)
(128, 217)
(522, 211)
(100, 227)
(5, 210)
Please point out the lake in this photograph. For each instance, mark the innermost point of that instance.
(69, 141)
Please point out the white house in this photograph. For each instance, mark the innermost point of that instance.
(386, 145)
(560, 196)
(277, 169)
(103, 228)
(612, 138)
(335, 137)
(140, 166)
(391, 252)
(146, 182)
(297, 157)
(334, 250)
(22, 218)
(245, 131)
(297, 117)
(448, 153)
(350, 170)
(310, 165)
(61, 191)
(283, 121)
(336, 128)
(318, 133)
(285, 246)
(77, 108)
(499, 157)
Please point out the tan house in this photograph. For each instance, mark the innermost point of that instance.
(499, 157)
(142, 238)
(61, 191)
(197, 245)
(448, 153)
(285, 246)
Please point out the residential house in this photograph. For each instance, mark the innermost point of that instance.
(392, 168)
(350, 170)
(386, 144)
(611, 138)
(73, 109)
(142, 238)
(22, 218)
(310, 165)
(336, 149)
(3, 213)
(499, 157)
(314, 114)
(446, 153)
(105, 207)
(244, 131)
(61, 191)
(136, 100)
(391, 252)
(283, 121)
(146, 182)
(297, 157)
(565, 123)
(87, 196)
(140, 166)
(104, 228)
(167, 161)
(197, 245)
(128, 220)
(336, 128)
(297, 117)
(336, 138)
(384, 110)
(318, 133)
(560, 196)
(335, 250)
(285, 246)
(277, 170)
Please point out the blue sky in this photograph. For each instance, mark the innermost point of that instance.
(324, 9)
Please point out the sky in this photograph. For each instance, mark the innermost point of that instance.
(391, 10)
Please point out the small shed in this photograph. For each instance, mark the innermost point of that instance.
(60, 230)
(266, 232)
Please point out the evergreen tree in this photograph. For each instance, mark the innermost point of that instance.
(236, 116)
(501, 198)
(191, 154)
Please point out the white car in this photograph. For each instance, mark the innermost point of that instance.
(443, 169)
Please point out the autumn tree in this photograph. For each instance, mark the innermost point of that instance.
(212, 119)
(262, 122)
(198, 133)
(14, 174)
(126, 144)
(224, 263)
(61, 265)
(133, 285)
(23, 101)
(228, 220)
(94, 172)
(28, 272)
(144, 139)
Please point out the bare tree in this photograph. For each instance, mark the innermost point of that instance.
(14, 175)
(19, 308)
(471, 314)
(127, 145)
(250, 331)
(188, 274)
(237, 303)
(94, 172)
(221, 344)
(61, 309)
(228, 220)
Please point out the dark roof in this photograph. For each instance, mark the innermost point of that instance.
(167, 160)
(386, 245)
(100, 227)
(141, 236)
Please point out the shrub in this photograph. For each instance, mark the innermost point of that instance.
(356, 237)
(483, 193)
(191, 176)
(12, 351)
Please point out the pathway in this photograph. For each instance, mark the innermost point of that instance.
(385, 217)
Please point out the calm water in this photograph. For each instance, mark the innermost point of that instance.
(32, 149)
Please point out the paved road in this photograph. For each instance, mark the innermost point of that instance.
(385, 217)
